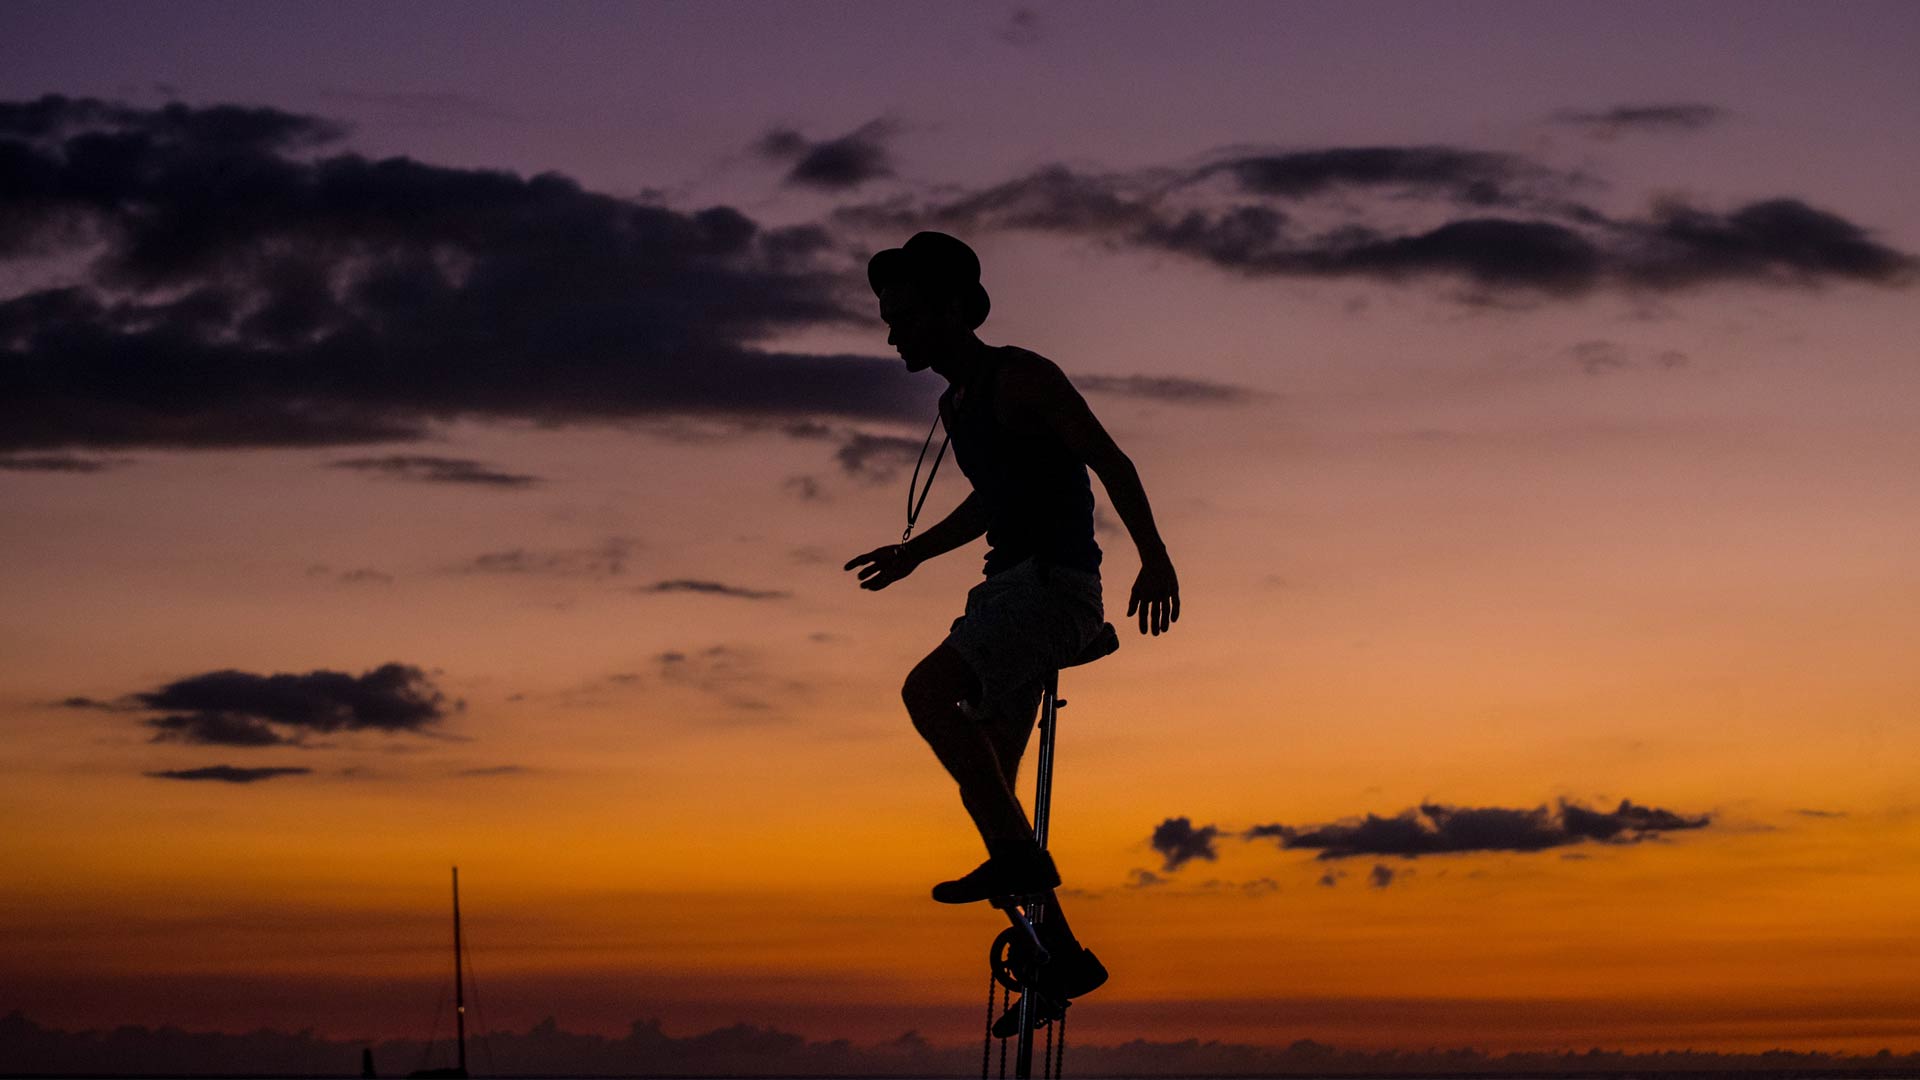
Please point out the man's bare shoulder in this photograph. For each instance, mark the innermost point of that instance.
(1028, 374)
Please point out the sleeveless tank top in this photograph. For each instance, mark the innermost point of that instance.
(1039, 501)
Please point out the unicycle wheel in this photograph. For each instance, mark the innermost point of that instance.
(1011, 959)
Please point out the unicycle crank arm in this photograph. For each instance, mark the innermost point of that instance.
(1017, 908)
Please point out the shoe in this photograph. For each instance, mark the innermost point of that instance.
(1001, 876)
(1067, 975)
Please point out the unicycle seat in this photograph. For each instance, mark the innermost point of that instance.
(1104, 643)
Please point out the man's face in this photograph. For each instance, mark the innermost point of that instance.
(913, 327)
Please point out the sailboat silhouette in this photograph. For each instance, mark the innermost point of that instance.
(458, 1070)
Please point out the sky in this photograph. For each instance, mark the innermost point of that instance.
(432, 434)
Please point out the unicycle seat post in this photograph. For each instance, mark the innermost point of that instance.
(1017, 954)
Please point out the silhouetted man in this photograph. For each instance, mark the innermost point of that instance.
(1025, 439)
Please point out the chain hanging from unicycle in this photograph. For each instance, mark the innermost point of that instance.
(913, 507)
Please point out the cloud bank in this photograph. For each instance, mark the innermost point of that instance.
(1435, 829)
(1502, 224)
(240, 286)
(239, 708)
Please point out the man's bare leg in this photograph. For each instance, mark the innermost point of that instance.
(932, 694)
(1009, 737)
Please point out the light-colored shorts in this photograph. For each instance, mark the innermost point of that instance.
(1022, 623)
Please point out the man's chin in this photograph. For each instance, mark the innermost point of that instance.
(913, 364)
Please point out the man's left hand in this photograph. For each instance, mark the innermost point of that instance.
(1156, 596)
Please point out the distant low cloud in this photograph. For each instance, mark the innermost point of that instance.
(1179, 843)
(1607, 123)
(709, 588)
(1434, 829)
(238, 708)
(229, 774)
(837, 164)
(644, 1048)
(246, 283)
(436, 470)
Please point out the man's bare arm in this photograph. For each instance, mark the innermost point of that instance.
(886, 565)
(962, 526)
(1040, 394)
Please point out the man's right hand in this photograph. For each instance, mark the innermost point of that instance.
(883, 565)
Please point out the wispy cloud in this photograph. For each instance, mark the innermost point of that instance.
(1609, 123)
(609, 558)
(709, 588)
(229, 774)
(428, 469)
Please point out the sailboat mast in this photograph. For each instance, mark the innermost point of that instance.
(459, 982)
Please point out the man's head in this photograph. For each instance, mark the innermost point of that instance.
(930, 296)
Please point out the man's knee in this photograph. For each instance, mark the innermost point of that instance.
(935, 684)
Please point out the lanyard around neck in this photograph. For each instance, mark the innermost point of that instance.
(913, 507)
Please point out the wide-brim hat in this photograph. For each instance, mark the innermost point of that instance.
(937, 264)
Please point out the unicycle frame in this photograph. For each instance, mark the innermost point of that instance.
(1029, 913)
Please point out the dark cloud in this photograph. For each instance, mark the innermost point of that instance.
(1512, 233)
(1812, 813)
(66, 463)
(1776, 241)
(608, 559)
(1171, 388)
(238, 708)
(1380, 876)
(1610, 122)
(428, 469)
(238, 293)
(228, 774)
(1433, 829)
(495, 770)
(710, 588)
(833, 164)
(218, 729)
(1180, 843)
